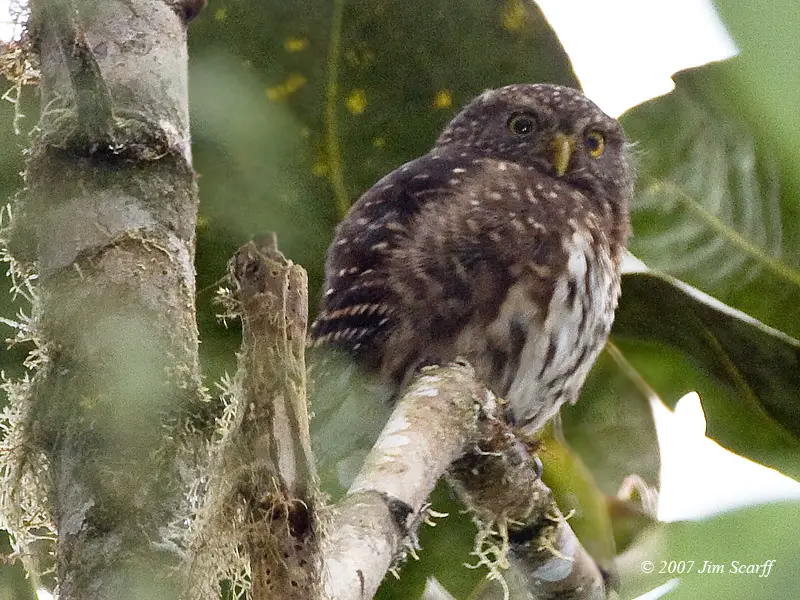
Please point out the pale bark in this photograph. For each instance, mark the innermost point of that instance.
(262, 486)
(448, 423)
(107, 225)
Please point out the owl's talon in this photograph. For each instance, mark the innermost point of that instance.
(538, 467)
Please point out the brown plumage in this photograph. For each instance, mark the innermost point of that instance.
(502, 245)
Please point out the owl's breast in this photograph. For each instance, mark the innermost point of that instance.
(549, 348)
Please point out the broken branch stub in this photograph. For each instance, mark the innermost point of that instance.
(270, 452)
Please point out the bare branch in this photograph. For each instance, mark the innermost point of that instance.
(275, 468)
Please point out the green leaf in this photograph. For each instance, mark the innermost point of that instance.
(716, 202)
(612, 427)
(611, 436)
(747, 374)
(629, 519)
(577, 495)
(719, 547)
(765, 73)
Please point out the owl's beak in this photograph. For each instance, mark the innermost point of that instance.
(563, 146)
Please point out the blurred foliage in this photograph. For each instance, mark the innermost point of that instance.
(723, 549)
(716, 206)
(297, 108)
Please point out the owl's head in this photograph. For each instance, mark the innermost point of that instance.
(553, 129)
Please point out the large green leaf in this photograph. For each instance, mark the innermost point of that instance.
(612, 426)
(747, 374)
(612, 435)
(710, 559)
(767, 75)
(300, 107)
(716, 204)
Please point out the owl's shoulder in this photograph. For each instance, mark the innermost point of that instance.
(406, 190)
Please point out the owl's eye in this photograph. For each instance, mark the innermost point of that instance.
(595, 143)
(521, 124)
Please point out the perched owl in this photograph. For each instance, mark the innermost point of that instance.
(502, 245)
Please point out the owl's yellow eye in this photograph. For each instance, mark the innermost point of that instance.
(595, 143)
(521, 124)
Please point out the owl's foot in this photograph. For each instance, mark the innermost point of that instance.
(532, 445)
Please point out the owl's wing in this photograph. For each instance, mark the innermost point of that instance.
(359, 310)
(359, 306)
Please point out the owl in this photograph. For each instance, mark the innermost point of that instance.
(502, 246)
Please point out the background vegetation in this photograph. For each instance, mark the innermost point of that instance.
(297, 108)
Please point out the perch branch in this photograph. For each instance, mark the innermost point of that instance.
(428, 430)
(447, 420)
(499, 483)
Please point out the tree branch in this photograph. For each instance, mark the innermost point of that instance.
(429, 429)
(107, 239)
(92, 98)
(263, 493)
(448, 421)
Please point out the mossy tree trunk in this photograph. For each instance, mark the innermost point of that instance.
(107, 225)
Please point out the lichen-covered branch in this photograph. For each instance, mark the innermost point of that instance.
(448, 422)
(428, 430)
(93, 102)
(107, 227)
(262, 489)
(499, 482)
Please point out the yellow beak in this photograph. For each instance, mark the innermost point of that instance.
(563, 146)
